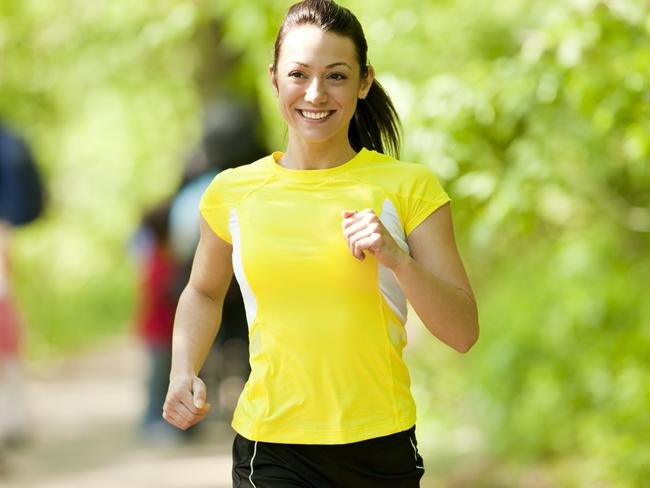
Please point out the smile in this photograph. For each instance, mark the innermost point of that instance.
(315, 115)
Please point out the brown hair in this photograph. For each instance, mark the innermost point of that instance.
(375, 124)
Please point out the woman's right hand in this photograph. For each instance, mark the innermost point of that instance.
(186, 403)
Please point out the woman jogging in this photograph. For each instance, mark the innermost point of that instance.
(327, 240)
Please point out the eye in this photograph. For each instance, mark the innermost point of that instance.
(297, 74)
(338, 76)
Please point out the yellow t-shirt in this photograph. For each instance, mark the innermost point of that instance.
(326, 330)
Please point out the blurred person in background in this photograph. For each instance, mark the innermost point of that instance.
(21, 202)
(165, 244)
(229, 138)
(156, 305)
(325, 280)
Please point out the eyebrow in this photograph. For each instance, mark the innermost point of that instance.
(339, 63)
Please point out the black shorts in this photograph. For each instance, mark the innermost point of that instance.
(390, 461)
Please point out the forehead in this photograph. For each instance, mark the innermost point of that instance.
(313, 46)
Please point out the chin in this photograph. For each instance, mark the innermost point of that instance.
(321, 137)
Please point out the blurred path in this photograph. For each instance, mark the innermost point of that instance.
(85, 411)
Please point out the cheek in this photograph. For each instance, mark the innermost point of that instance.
(288, 101)
(351, 102)
(289, 94)
(284, 96)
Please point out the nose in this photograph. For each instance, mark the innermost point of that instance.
(315, 92)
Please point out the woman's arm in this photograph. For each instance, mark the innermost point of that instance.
(197, 321)
(435, 283)
(432, 277)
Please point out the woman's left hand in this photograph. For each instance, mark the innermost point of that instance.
(364, 231)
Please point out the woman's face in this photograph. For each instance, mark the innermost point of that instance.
(317, 82)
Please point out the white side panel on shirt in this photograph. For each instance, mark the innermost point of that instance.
(387, 283)
(250, 302)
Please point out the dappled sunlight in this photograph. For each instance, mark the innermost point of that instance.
(535, 118)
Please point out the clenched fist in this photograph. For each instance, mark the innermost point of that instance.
(364, 231)
(185, 404)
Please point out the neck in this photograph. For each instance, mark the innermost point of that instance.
(300, 155)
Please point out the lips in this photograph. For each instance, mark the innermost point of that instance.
(315, 115)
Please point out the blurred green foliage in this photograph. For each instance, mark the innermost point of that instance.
(535, 116)
(103, 91)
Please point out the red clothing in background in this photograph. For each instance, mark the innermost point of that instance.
(158, 300)
(10, 328)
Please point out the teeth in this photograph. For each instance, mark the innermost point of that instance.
(314, 115)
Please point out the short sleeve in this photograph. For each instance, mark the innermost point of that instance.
(424, 197)
(216, 204)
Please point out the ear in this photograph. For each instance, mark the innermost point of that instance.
(366, 83)
(274, 81)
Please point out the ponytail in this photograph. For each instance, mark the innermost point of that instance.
(376, 125)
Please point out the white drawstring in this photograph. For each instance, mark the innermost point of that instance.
(415, 453)
(250, 476)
